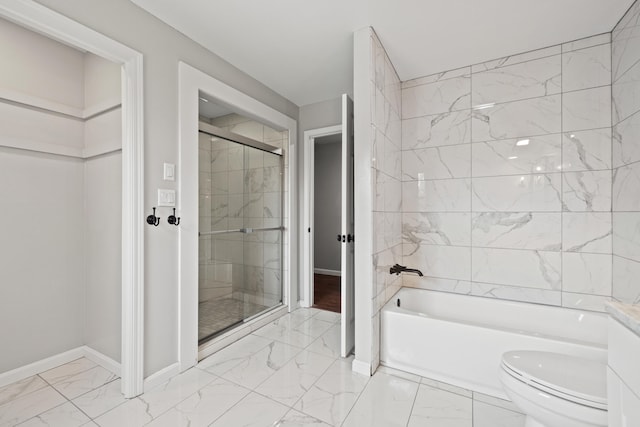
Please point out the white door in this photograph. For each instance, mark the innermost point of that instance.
(347, 273)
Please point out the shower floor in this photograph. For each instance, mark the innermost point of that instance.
(217, 314)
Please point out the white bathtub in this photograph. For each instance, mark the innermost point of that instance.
(460, 339)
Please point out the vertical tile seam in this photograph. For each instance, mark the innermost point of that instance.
(562, 174)
(612, 293)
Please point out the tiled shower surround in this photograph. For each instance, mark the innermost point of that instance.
(507, 177)
(626, 157)
(386, 173)
(240, 189)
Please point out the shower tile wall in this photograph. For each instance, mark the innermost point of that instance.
(506, 177)
(386, 163)
(626, 157)
(239, 190)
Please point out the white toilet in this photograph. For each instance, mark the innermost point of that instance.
(556, 390)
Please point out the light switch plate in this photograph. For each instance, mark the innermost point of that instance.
(167, 198)
(169, 172)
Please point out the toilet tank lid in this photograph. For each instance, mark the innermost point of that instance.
(570, 375)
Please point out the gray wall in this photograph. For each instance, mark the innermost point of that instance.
(327, 189)
(162, 48)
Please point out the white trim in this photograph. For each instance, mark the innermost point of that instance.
(80, 114)
(34, 368)
(307, 209)
(56, 360)
(191, 81)
(327, 272)
(42, 147)
(363, 198)
(162, 376)
(361, 368)
(103, 360)
(52, 24)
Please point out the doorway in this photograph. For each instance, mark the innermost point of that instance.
(326, 222)
(193, 86)
(94, 140)
(314, 194)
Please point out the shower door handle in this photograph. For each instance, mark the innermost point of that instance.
(342, 238)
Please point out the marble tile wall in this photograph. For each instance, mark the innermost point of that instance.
(386, 164)
(506, 171)
(240, 188)
(626, 157)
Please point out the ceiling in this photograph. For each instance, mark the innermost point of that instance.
(303, 49)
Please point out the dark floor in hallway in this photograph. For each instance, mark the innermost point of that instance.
(326, 292)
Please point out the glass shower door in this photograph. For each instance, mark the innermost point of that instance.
(240, 234)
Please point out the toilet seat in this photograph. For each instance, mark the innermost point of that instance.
(577, 380)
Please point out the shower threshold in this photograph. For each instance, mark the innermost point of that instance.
(216, 317)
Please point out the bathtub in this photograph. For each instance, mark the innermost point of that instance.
(460, 339)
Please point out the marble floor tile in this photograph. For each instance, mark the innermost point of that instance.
(386, 402)
(313, 327)
(328, 316)
(83, 382)
(21, 388)
(16, 411)
(65, 415)
(398, 373)
(252, 411)
(485, 415)
(300, 315)
(133, 413)
(331, 398)
(446, 387)
(295, 378)
(438, 408)
(230, 356)
(259, 366)
(204, 406)
(61, 373)
(101, 400)
(160, 399)
(294, 418)
(494, 401)
(283, 330)
(328, 344)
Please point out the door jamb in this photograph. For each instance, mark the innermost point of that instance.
(308, 208)
(58, 27)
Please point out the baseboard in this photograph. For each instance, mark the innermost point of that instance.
(39, 366)
(327, 272)
(362, 368)
(105, 361)
(163, 375)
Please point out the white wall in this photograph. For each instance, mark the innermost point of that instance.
(162, 48)
(327, 204)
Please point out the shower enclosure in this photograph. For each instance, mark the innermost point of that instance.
(240, 229)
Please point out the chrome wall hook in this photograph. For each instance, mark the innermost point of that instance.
(153, 219)
(172, 219)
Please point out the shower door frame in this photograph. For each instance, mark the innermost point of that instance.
(191, 82)
(56, 26)
(245, 142)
